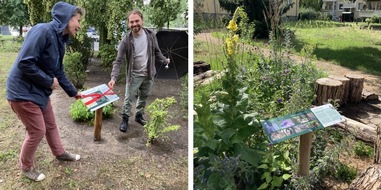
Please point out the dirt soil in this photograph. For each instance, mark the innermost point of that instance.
(161, 166)
(367, 112)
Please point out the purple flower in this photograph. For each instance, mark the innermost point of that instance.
(279, 100)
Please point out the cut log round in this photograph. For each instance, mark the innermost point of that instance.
(327, 88)
(356, 85)
(370, 179)
(345, 94)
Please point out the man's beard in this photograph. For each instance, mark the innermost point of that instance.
(136, 29)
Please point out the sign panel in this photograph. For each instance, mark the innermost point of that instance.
(98, 97)
(289, 126)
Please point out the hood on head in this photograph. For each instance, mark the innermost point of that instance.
(62, 13)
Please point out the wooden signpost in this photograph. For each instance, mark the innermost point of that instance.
(95, 99)
(98, 124)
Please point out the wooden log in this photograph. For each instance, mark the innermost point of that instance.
(359, 130)
(356, 85)
(326, 88)
(98, 124)
(345, 94)
(377, 146)
(204, 75)
(370, 179)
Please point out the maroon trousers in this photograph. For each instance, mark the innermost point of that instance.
(38, 123)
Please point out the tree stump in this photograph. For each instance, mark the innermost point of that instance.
(345, 94)
(370, 179)
(356, 85)
(327, 88)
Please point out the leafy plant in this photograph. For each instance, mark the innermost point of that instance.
(75, 69)
(362, 149)
(157, 125)
(80, 113)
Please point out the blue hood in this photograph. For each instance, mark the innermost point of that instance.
(62, 13)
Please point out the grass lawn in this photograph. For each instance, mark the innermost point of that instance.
(348, 46)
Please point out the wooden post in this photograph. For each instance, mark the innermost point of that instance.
(356, 85)
(326, 88)
(98, 124)
(377, 146)
(345, 88)
(304, 154)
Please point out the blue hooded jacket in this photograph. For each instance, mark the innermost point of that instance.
(40, 60)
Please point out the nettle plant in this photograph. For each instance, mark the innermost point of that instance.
(157, 125)
(227, 130)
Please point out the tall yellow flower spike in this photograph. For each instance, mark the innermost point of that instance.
(232, 25)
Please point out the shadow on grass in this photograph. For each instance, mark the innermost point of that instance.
(365, 59)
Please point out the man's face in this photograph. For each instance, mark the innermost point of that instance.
(135, 23)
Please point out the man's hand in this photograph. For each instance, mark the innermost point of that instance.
(111, 84)
(167, 61)
(55, 84)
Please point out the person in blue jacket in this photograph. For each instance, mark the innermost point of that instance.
(37, 71)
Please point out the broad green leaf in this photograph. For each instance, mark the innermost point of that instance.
(277, 181)
(263, 186)
(286, 176)
(247, 154)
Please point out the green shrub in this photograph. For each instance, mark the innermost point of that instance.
(363, 150)
(107, 53)
(80, 113)
(83, 45)
(346, 173)
(308, 14)
(74, 69)
(157, 124)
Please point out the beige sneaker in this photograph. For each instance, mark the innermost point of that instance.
(66, 156)
(33, 174)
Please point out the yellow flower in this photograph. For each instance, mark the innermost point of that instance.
(232, 26)
(229, 46)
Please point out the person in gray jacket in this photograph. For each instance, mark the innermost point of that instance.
(140, 48)
(37, 71)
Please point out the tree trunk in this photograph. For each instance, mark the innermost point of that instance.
(356, 85)
(326, 88)
(345, 94)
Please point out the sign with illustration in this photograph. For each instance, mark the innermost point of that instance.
(98, 97)
(282, 128)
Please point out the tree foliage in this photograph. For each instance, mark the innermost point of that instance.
(14, 13)
(161, 12)
(313, 4)
(256, 11)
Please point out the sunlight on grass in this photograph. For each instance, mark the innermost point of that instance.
(348, 46)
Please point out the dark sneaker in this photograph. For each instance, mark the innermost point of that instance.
(33, 174)
(66, 156)
(139, 118)
(123, 127)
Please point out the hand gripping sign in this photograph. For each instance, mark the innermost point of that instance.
(98, 97)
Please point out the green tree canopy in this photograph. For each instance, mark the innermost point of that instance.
(256, 10)
(14, 13)
(161, 12)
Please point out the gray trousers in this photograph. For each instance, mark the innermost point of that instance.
(141, 86)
